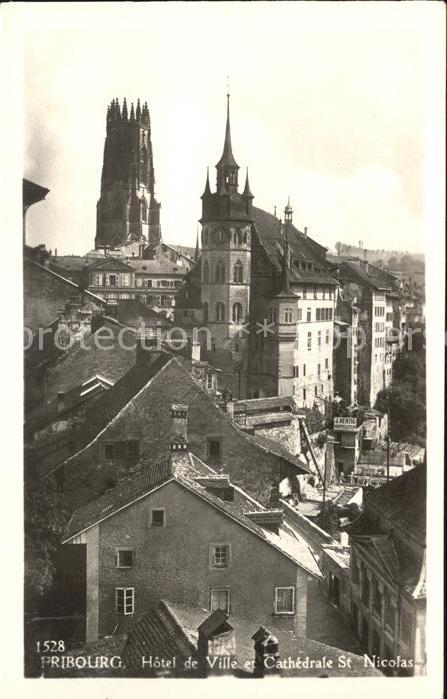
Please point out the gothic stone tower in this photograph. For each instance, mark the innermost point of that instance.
(226, 251)
(127, 209)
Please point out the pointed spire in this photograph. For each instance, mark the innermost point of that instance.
(138, 112)
(117, 109)
(132, 112)
(207, 189)
(125, 115)
(247, 193)
(227, 159)
(197, 250)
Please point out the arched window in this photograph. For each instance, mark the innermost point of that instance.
(238, 273)
(237, 312)
(205, 236)
(205, 312)
(206, 272)
(143, 210)
(220, 272)
(238, 237)
(220, 311)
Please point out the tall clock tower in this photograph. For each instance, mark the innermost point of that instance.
(127, 210)
(226, 252)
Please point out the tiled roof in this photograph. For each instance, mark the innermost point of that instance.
(301, 247)
(131, 311)
(109, 262)
(108, 406)
(171, 629)
(186, 472)
(253, 405)
(369, 274)
(403, 501)
(81, 362)
(183, 250)
(68, 263)
(72, 399)
(159, 265)
(273, 447)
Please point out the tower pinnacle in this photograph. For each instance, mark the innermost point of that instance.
(227, 167)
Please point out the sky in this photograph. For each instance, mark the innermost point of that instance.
(330, 105)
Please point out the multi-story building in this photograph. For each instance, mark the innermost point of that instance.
(264, 293)
(184, 531)
(371, 290)
(127, 210)
(111, 279)
(388, 588)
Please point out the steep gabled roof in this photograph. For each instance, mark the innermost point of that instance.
(366, 273)
(304, 250)
(187, 471)
(109, 263)
(107, 407)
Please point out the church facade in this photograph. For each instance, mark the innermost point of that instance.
(263, 291)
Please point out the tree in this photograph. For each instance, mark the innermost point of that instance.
(46, 517)
(405, 399)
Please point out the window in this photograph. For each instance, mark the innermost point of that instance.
(319, 338)
(237, 312)
(288, 315)
(133, 449)
(124, 558)
(220, 599)
(304, 292)
(318, 370)
(238, 273)
(300, 314)
(220, 555)
(206, 272)
(112, 280)
(304, 394)
(309, 341)
(214, 448)
(124, 600)
(205, 312)
(304, 370)
(315, 292)
(326, 363)
(220, 311)
(328, 334)
(108, 452)
(284, 600)
(157, 518)
(309, 315)
(316, 390)
(220, 272)
(296, 372)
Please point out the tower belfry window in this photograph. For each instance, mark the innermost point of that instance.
(238, 273)
(220, 272)
(206, 272)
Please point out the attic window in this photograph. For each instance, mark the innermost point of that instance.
(158, 518)
(220, 555)
(214, 448)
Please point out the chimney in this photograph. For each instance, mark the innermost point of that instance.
(305, 231)
(179, 426)
(216, 645)
(230, 409)
(60, 401)
(266, 653)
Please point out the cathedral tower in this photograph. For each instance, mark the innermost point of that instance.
(226, 251)
(127, 209)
